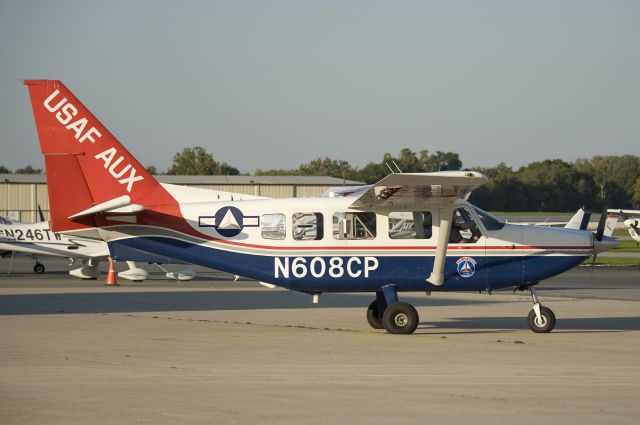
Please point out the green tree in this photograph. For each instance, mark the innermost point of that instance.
(443, 161)
(4, 170)
(276, 172)
(408, 162)
(503, 192)
(372, 172)
(151, 169)
(614, 178)
(327, 167)
(197, 161)
(555, 185)
(636, 194)
(28, 170)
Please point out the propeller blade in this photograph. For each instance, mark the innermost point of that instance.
(601, 223)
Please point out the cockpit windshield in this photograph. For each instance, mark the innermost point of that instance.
(489, 221)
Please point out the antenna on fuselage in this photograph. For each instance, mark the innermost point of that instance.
(391, 169)
(40, 214)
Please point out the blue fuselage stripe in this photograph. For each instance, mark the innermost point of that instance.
(363, 272)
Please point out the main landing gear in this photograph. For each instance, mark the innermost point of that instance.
(389, 313)
(541, 319)
(38, 267)
(386, 312)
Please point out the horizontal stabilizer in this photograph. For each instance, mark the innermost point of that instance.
(120, 205)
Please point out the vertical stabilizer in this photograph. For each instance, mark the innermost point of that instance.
(85, 164)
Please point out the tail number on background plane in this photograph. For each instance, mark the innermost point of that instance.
(30, 235)
(335, 267)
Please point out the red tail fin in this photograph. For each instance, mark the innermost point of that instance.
(85, 163)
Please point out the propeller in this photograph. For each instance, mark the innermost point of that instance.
(600, 232)
(601, 223)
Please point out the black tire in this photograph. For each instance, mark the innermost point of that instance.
(373, 316)
(400, 318)
(38, 268)
(547, 323)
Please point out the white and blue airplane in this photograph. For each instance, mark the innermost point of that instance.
(348, 241)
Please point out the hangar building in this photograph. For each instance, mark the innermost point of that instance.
(20, 194)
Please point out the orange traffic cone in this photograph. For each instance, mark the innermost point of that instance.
(111, 274)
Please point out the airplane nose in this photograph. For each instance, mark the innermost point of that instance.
(606, 244)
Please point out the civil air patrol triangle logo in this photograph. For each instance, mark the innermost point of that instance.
(466, 266)
(229, 221)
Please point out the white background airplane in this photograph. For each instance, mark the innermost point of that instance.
(313, 245)
(38, 240)
(631, 219)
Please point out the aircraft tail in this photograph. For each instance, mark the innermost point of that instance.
(88, 171)
(610, 224)
(580, 220)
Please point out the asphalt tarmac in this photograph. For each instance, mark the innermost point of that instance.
(216, 351)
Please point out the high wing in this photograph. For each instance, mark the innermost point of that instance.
(410, 191)
(413, 191)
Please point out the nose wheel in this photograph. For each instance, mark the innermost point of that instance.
(541, 319)
(543, 324)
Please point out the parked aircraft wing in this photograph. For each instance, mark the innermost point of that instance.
(623, 212)
(410, 190)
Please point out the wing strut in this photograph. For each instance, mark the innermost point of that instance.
(437, 275)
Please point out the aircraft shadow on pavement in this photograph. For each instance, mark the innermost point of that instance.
(590, 324)
(140, 302)
(130, 302)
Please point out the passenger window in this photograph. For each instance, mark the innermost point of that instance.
(410, 225)
(463, 227)
(272, 226)
(308, 226)
(354, 225)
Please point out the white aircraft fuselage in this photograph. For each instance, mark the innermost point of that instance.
(504, 255)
